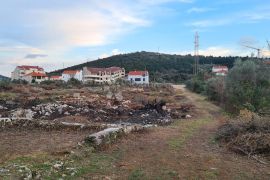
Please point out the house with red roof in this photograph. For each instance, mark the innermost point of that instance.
(35, 77)
(21, 71)
(220, 70)
(102, 75)
(138, 77)
(69, 74)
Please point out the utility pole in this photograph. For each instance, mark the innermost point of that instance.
(196, 54)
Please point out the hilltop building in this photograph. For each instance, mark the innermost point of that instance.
(138, 77)
(21, 71)
(102, 75)
(220, 70)
(69, 74)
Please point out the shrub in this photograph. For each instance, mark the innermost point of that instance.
(214, 89)
(74, 82)
(248, 86)
(5, 86)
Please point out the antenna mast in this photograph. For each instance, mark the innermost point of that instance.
(196, 55)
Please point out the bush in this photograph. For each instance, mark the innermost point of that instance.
(74, 82)
(214, 89)
(248, 86)
(196, 85)
(5, 86)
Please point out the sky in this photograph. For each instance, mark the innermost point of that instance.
(56, 34)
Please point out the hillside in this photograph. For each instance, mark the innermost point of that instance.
(162, 67)
(3, 78)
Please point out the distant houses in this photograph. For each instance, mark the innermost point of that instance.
(220, 70)
(138, 77)
(102, 75)
(69, 74)
(21, 71)
(35, 77)
(36, 74)
(31, 74)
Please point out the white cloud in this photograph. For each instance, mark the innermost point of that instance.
(219, 51)
(199, 10)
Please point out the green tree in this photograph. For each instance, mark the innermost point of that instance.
(248, 86)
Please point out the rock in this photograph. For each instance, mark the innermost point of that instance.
(59, 165)
(188, 116)
(67, 113)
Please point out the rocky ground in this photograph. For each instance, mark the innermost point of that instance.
(35, 119)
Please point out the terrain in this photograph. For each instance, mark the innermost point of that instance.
(3, 78)
(162, 67)
(183, 149)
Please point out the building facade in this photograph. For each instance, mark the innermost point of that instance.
(35, 77)
(69, 74)
(102, 75)
(220, 70)
(138, 77)
(21, 71)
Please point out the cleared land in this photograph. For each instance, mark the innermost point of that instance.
(185, 149)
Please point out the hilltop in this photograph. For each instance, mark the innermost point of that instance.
(162, 67)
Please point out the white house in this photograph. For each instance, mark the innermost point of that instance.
(21, 71)
(69, 74)
(220, 70)
(102, 75)
(138, 77)
(35, 77)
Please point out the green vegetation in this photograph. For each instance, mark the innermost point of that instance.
(247, 86)
(162, 67)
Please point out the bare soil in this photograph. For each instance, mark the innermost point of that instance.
(19, 142)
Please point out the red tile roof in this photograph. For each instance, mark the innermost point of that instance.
(31, 67)
(33, 74)
(71, 72)
(138, 73)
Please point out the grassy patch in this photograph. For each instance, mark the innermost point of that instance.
(188, 128)
(211, 174)
(137, 174)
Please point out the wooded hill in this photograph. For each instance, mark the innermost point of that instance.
(162, 67)
(3, 78)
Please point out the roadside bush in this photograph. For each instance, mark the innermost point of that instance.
(248, 136)
(196, 85)
(214, 89)
(19, 81)
(248, 86)
(5, 86)
(74, 82)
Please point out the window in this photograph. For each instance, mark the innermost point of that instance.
(137, 79)
(143, 79)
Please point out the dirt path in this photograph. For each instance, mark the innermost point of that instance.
(184, 150)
